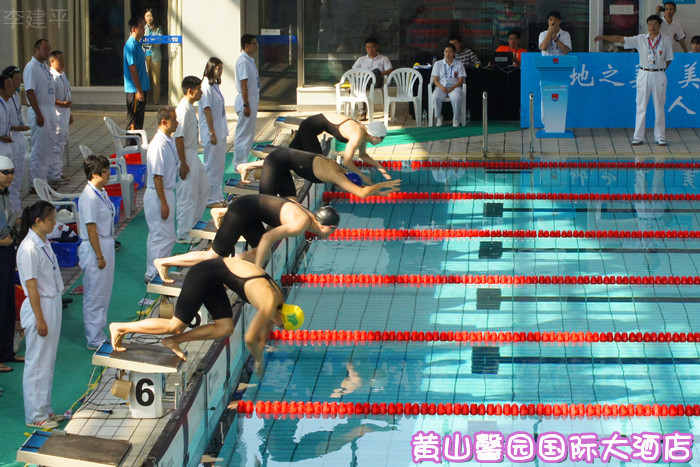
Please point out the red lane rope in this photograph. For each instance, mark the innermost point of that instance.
(489, 279)
(424, 196)
(353, 336)
(441, 234)
(333, 409)
(520, 165)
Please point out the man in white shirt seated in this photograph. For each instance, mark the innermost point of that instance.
(671, 28)
(448, 75)
(378, 64)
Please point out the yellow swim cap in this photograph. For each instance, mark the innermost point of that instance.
(292, 317)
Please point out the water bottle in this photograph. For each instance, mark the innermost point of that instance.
(424, 118)
(469, 115)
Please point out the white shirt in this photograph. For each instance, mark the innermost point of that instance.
(162, 160)
(653, 55)
(187, 127)
(563, 36)
(674, 31)
(16, 111)
(38, 78)
(380, 62)
(212, 98)
(6, 111)
(245, 69)
(95, 207)
(36, 260)
(61, 87)
(448, 75)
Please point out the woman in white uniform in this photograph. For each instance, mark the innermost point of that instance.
(97, 249)
(213, 128)
(40, 313)
(19, 145)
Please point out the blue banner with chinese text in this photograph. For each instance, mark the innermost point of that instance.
(602, 92)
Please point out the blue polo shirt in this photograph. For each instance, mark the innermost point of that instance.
(134, 55)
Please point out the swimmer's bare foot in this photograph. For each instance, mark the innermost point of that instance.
(163, 270)
(116, 336)
(170, 343)
(244, 170)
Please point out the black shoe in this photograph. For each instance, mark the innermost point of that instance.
(117, 245)
(67, 300)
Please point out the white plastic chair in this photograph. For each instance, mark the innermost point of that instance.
(121, 137)
(121, 176)
(45, 192)
(405, 79)
(431, 104)
(359, 79)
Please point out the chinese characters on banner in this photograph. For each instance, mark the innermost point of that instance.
(602, 91)
(35, 19)
(551, 447)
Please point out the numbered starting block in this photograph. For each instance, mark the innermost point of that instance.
(204, 230)
(147, 366)
(157, 286)
(288, 123)
(65, 450)
(236, 187)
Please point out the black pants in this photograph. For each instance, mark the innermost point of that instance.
(135, 112)
(7, 303)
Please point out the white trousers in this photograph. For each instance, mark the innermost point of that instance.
(245, 129)
(42, 141)
(215, 164)
(59, 144)
(40, 358)
(97, 286)
(161, 233)
(192, 194)
(456, 98)
(19, 149)
(651, 84)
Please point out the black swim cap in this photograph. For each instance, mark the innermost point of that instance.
(327, 216)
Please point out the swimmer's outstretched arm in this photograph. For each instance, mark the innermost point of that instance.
(291, 229)
(257, 334)
(187, 259)
(245, 169)
(380, 189)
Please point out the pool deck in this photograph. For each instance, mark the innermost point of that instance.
(89, 129)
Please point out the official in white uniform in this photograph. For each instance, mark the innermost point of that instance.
(159, 200)
(193, 189)
(448, 75)
(553, 41)
(247, 100)
(213, 128)
(6, 92)
(378, 64)
(39, 87)
(96, 251)
(19, 145)
(671, 28)
(655, 56)
(40, 313)
(64, 118)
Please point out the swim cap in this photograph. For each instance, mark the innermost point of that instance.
(354, 178)
(292, 317)
(327, 216)
(376, 129)
(6, 163)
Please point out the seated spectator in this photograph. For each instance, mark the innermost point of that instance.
(513, 46)
(448, 75)
(465, 56)
(376, 63)
(695, 44)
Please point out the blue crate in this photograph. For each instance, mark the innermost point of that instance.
(117, 202)
(139, 173)
(66, 253)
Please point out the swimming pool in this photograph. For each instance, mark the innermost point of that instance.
(569, 309)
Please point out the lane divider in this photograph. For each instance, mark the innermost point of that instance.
(353, 336)
(525, 165)
(329, 196)
(333, 409)
(442, 234)
(489, 279)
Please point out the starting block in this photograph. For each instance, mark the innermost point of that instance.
(288, 123)
(235, 187)
(147, 365)
(204, 230)
(262, 150)
(157, 286)
(66, 450)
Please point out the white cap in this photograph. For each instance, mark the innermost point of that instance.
(6, 163)
(376, 129)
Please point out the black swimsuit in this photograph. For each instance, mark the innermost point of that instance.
(306, 138)
(204, 285)
(245, 216)
(276, 178)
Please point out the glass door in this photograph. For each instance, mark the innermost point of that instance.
(277, 53)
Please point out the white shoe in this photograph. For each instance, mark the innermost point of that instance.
(43, 424)
(455, 123)
(661, 142)
(439, 121)
(56, 417)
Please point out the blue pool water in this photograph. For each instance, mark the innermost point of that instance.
(454, 372)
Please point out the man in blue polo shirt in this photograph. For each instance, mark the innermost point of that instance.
(136, 83)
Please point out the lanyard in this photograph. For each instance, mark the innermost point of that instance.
(15, 99)
(44, 68)
(110, 206)
(66, 86)
(7, 117)
(254, 68)
(655, 46)
(53, 263)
